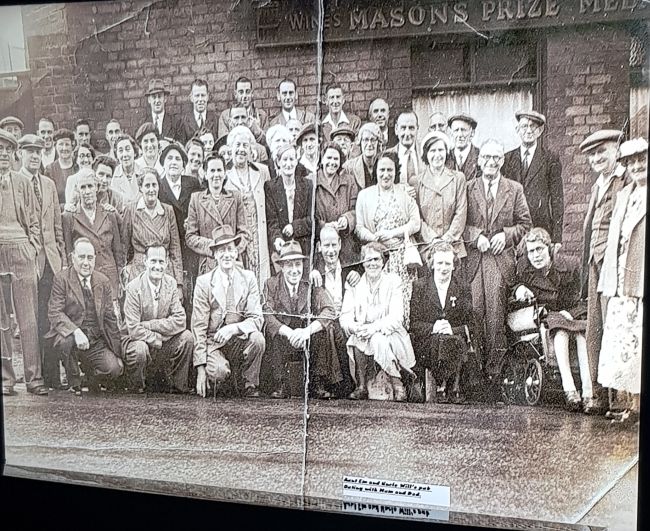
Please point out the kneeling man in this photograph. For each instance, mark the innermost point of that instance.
(83, 324)
(227, 320)
(158, 348)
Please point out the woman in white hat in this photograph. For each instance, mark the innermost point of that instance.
(621, 280)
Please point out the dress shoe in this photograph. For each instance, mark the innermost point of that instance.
(8, 390)
(39, 390)
(360, 393)
(573, 401)
(280, 392)
(251, 392)
(76, 389)
(593, 406)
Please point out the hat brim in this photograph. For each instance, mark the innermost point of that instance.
(25, 146)
(295, 256)
(225, 241)
(152, 92)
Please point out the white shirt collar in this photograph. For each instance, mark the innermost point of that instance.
(200, 114)
(82, 279)
(343, 119)
(158, 209)
(531, 151)
(403, 150)
(292, 115)
(155, 290)
(495, 187)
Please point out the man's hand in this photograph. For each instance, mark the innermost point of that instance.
(70, 207)
(298, 338)
(365, 331)
(223, 335)
(157, 343)
(180, 293)
(202, 382)
(287, 232)
(522, 293)
(342, 223)
(81, 340)
(316, 278)
(566, 315)
(353, 278)
(441, 326)
(107, 207)
(278, 243)
(498, 243)
(482, 243)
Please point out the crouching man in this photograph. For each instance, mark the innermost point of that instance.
(158, 348)
(227, 321)
(83, 324)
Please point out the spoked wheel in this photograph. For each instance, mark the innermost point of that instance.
(533, 379)
(512, 380)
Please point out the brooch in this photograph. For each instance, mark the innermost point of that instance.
(453, 301)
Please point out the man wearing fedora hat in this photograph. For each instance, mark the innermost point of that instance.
(51, 258)
(165, 123)
(296, 321)
(464, 157)
(227, 321)
(158, 348)
(601, 149)
(20, 243)
(539, 171)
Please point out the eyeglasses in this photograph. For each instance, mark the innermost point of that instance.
(369, 140)
(495, 158)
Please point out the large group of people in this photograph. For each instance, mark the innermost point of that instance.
(217, 251)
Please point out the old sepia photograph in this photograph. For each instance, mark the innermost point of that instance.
(375, 257)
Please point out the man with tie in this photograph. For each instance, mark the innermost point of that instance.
(379, 113)
(336, 117)
(464, 157)
(601, 149)
(227, 321)
(20, 244)
(200, 117)
(83, 324)
(298, 316)
(406, 129)
(158, 348)
(51, 257)
(539, 171)
(165, 123)
(46, 132)
(497, 219)
(256, 118)
(287, 95)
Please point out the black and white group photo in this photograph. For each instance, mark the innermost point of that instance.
(244, 258)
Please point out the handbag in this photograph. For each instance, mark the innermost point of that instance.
(411, 254)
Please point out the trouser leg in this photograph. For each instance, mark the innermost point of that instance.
(137, 355)
(278, 354)
(6, 336)
(324, 366)
(174, 359)
(594, 334)
(100, 362)
(68, 351)
(49, 357)
(25, 307)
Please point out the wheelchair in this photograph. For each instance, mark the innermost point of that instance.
(529, 370)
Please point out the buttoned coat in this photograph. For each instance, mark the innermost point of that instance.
(509, 215)
(26, 213)
(105, 235)
(204, 215)
(187, 126)
(543, 188)
(171, 126)
(303, 116)
(50, 225)
(209, 308)
(67, 308)
(470, 168)
(443, 207)
(142, 322)
(634, 268)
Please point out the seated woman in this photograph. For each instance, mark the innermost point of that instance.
(441, 308)
(147, 223)
(555, 285)
(215, 207)
(372, 316)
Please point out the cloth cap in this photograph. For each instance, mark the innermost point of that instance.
(343, 130)
(463, 117)
(8, 120)
(633, 147)
(31, 141)
(600, 137)
(532, 115)
(8, 137)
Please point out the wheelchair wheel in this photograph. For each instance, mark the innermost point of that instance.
(512, 380)
(533, 380)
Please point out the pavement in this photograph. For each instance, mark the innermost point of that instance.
(505, 463)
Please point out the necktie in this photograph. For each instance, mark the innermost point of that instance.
(200, 121)
(526, 159)
(86, 286)
(490, 200)
(158, 124)
(410, 166)
(459, 160)
(37, 191)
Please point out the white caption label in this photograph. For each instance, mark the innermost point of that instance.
(397, 492)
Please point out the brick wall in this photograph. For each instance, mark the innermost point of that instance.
(586, 88)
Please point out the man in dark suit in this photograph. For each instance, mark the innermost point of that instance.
(379, 113)
(464, 157)
(158, 348)
(539, 171)
(288, 97)
(441, 317)
(51, 257)
(165, 123)
(294, 321)
(601, 149)
(257, 118)
(199, 117)
(497, 219)
(83, 324)
(406, 129)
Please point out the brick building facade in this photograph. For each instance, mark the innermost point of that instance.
(94, 60)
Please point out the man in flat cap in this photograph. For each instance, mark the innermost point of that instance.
(464, 157)
(406, 129)
(63, 166)
(379, 113)
(344, 136)
(539, 171)
(601, 149)
(20, 244)
(165, 123)
(51, 257)
(288, 96)
(336, 117)
(15, 126)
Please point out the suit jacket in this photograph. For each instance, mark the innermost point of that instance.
(634, 266)
(355, 124)
(509, 215)
(26, 213)
(420, 165)
(181, 206)
(470, 168)
(171, 126)
(258, 129)
(303, 116)
(209, 308)
(188, 127)
(106, 236)
(51, 229)
(277, 213)
(141, 322)
(542, 187)
(67, 308)
(356, 167)
(280, 309)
